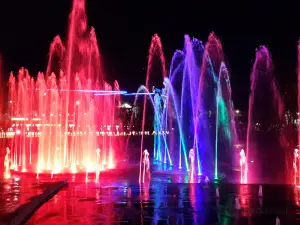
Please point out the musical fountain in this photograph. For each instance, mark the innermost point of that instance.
(65, 116)
(67, 121)
(194, 109)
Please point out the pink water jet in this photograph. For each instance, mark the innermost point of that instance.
(296, 164)
(7, 163)
(155, 50)
(298, 85)
(72, 122)
(192, 162)
(243, 166)
(146, 163)
(265, 107)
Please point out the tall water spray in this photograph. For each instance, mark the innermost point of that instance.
(264, 114)
(155, 50)
(297, 179)
(74, 112)
(197, 108)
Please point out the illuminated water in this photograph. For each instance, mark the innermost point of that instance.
(192, 107)
(72, 108)
(167, 202)
(265, 108)
(75, 112)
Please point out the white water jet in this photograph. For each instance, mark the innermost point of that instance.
(260, 191)
(7, 164)
(237, 203)
(217, 193)
(129, 192)
(192, 161)
(207, 181)
(98, 166)
(243, 165)
(295, 165)
(146, 163)
(277, 221)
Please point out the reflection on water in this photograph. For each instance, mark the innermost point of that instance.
(163, 203)
(123, 202)
(15, 191)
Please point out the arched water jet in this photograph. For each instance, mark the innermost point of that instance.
(224, 118)
(67, 138)
(57, 49)
(190, 92)
(298, 104)
(174, 100)
(155, 49)
(196, 67)
(263, 110)
(143, 90)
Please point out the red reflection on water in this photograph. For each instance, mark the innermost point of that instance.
(192, 197)
(296, 195)
(78, 204)
(245, 200)
(17, 191)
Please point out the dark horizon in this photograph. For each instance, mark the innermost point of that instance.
(124, 32)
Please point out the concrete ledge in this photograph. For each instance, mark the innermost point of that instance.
(24, 212)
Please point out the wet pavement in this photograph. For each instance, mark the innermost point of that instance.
(123, 201)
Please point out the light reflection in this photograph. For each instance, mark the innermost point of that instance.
(245, 196)
(149, 203)
(296, 195)
(14, 193)
(192, 196)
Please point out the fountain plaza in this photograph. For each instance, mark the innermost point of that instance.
(76, 149)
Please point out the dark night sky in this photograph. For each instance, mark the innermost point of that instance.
(124, 30)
